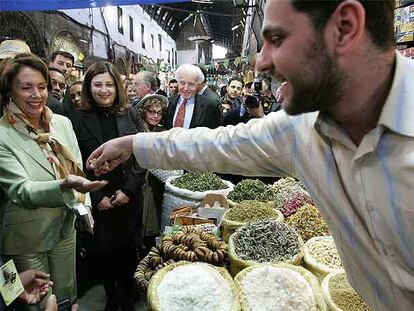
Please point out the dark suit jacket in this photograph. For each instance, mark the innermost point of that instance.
(209, 93)
(206, 112)
(118, 226)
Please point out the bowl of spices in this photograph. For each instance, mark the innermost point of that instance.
(251, 189)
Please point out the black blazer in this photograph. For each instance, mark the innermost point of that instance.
(209, 93)
(206, 112)
(115, 227)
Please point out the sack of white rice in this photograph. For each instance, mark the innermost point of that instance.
(279, 287)
(192, 286)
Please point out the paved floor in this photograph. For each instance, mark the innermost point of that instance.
(94, 300)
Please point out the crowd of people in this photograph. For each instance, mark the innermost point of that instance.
(349, 144)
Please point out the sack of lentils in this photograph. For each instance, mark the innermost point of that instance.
(264, 241)
(192, 286)
(339, 294)
(279, 287)
(308, 222)
(321, 256)
(245, 212)
(190, 189)
(250, 189)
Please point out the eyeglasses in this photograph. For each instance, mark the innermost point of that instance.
(154, 112)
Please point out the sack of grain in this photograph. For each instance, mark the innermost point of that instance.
(279, 287)
(264, 241)
(192, 286)
(321, 256)
(174, 197)
(339, 295)
(247, 211)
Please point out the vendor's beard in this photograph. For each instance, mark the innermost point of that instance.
(319, 86)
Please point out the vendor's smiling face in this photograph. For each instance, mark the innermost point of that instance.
(295, 52)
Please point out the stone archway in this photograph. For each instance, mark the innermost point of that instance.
(65, 41)
(17, 25)
(120, 65)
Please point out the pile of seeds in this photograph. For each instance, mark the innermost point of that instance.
(266, 241)
(251, 189)
(323, 251)
(277, 289)
(295, 202)
(199, 182)
(248, 211)
(194, 287)
(284, 189)
(308, 222)
(344, 296)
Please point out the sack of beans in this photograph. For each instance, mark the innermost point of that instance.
(339, 294)
(192, 286)
(321, 256)
(279, 287)
(190, 189)
(245, 212)
(264, 241)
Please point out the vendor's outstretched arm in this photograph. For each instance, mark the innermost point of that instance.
(110, 154)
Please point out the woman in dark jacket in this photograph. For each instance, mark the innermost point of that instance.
(117, 207)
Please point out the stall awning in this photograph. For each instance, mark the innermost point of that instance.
(47, 5)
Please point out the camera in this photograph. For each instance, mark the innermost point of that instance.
(253, 101)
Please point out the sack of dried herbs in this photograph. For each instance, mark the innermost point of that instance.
(251, 189)
(279, 287)
(245, 212)
(264, 241)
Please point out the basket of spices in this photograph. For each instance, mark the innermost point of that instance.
(250, 189)
(190, 189)
(284, 189)
(339, 294)
(192, 286)
(245, 212)
(321, 256)
(279, 287)
(308, 222)
(264, 241)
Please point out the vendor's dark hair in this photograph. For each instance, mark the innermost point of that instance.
(379, 17)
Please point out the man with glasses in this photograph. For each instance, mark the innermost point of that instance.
(188, 109)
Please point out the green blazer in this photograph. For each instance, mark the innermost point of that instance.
(35, 214)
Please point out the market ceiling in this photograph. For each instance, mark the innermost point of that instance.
(48, 5)
(224, 19)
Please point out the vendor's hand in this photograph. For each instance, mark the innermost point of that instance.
(256, 112)
(105, 204)
(83, 185)
(120, 198)
(36, 284)
(110, 154)
(51, 303)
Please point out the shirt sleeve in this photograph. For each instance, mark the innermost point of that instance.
(262, 147)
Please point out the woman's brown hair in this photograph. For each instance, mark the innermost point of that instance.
(87, 101)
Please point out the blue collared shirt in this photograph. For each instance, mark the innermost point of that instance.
(189, 110)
